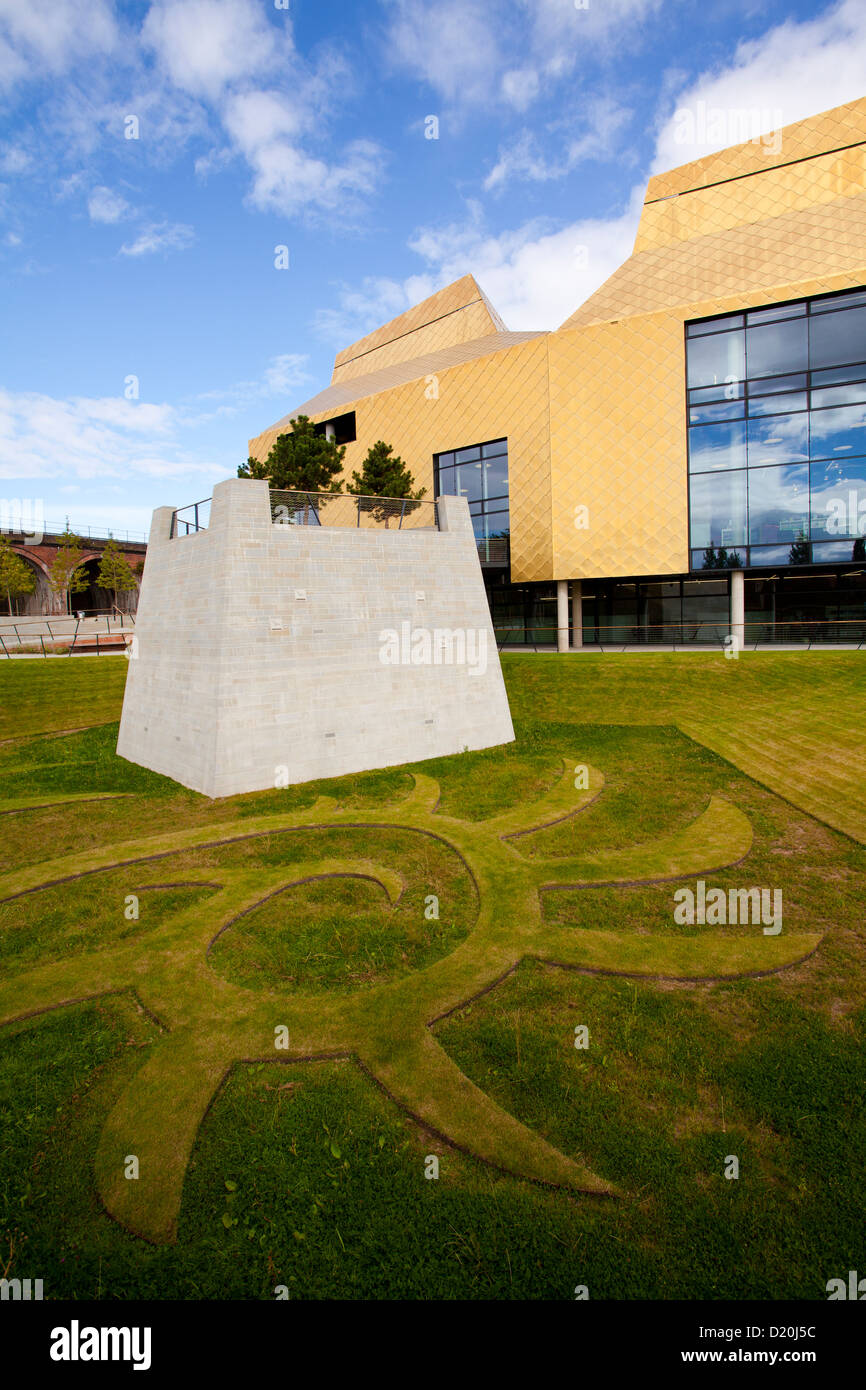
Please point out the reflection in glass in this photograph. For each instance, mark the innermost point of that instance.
(839, 431)
(717, 446)
(778, 439)
(836, 338)
(838, 503)
(778, 504)
(717, 509)
(714, 359)
(774, 348)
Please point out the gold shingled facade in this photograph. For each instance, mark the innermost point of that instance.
(594, 412)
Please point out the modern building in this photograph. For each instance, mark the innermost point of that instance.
(688, 449)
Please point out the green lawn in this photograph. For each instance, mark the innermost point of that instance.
(309, 908)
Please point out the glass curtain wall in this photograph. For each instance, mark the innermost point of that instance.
(480, 474)
(777, 435)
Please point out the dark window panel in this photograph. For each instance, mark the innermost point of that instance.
(832, 375)
(698, 330)
(777, 311)
(837, 338)
(717, 359)
(499, 446)
(774, 349)
(467, 455)
(838, 301)
(797, 381)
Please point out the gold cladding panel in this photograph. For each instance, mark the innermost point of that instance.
(843, 125)
(464, 325)
(445, 301)
(769, 194)
(824, 244)
(618, 448)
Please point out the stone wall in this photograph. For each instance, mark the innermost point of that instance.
(270, 654)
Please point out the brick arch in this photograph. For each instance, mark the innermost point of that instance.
(43, 600)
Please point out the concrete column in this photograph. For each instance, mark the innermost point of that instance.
(738, 609)
(562, 615)
(330, 432)
(576, 613)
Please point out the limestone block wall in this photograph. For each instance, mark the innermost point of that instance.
(271, 654)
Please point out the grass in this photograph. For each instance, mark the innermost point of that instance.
(305, 1173)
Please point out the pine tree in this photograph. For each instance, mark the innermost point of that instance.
(383, 474)
(67, 575)
(16, 576)
(114, 572)
(302, 461)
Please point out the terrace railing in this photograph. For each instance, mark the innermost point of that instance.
(187, 520)
(297, 508)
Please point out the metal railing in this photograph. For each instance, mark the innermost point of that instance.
(296, 508)
(821, 631)
(186, 521)
(61, 631)
(92, 533)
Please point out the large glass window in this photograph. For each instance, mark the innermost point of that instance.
(718, 509)
(777, 432)
(480, 474)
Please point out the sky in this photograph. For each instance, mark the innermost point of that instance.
(202, 201)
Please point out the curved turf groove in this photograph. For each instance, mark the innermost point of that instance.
(212, 1024)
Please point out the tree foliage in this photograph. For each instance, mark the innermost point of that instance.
(383, 474)
(16, 576)
(67, 575)
(114, 571)
(302, 461)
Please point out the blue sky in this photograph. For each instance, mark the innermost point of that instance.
(148, 264)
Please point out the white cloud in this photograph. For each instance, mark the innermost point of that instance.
(44, 437)
(39, 37)
(159, 236)
(520, 87)
(206, 45)
(105, 206)
(453, 45)
(795, 70)
(15, 160)
(525, 159)
(535, 275)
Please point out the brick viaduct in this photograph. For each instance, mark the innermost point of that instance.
(39, 557)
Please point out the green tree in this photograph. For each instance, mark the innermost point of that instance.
(383, 474)
(301, 461)
(710, 559)
(114, 571)
(16, 576)
(67, 575)
(799, 554)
